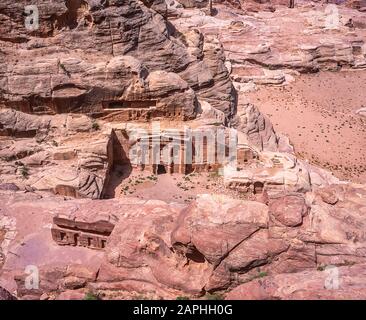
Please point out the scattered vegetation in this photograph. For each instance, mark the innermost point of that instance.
(62, 66)
(152, 178)
(95, 126)
(130, 185)
(262, 274)
(91, 296)
(214, 296)
(182, 186)
(24, 171)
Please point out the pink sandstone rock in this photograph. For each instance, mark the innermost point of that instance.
(213, 244)
(289, 210)
(343, 283)
(94, 66)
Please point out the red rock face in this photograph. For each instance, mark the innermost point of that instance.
(289, 210)
(214, 244)
(94, 57)
(5, 295)
(336, 284)
(73, 90)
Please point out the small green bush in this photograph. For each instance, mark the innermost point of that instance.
(90, 296)
(95, 126)
(62, 66)
(262, 274)
(24, 171)
(214, 296)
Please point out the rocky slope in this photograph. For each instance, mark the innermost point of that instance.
(270, 47)
(73, 91)
(214, 244)
(86, 55)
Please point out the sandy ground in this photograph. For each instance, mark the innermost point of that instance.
(317, 112)
(167, 187)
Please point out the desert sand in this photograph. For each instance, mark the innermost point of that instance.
(318, 113)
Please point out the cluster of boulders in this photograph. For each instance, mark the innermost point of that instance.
(314, 37)
(282, 247)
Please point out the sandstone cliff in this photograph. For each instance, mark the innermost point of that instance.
(75, 91)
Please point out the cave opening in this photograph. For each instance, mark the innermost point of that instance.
(258, 187)
(161, 169)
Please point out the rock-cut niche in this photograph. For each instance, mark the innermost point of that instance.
(120, 166)
(77, 11)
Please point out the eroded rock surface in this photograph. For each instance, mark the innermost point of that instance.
(267, 43)
(47, 153)
(214, 244)
(105, 57)
(70, 95)
(344, 283)
(5, 295)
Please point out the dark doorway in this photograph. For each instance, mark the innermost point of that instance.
(258, 187)
(76, 239)
(161, 169)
